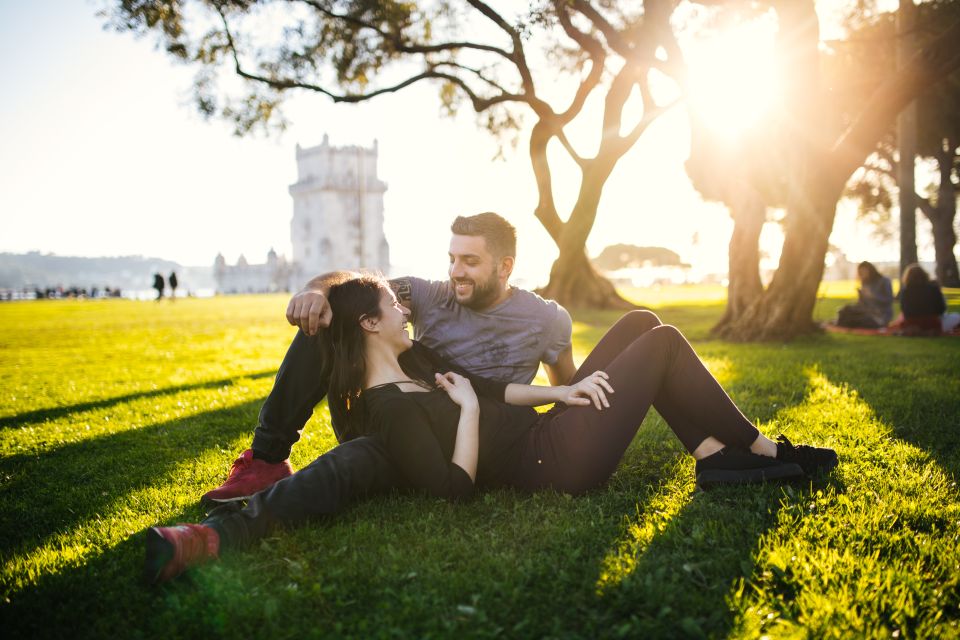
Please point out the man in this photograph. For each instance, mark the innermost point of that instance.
(476, 320)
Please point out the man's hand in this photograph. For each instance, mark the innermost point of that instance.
(310, 310)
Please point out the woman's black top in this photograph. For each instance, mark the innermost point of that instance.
(419, 429)
(924, 299)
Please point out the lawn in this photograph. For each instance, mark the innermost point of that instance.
(117, 415)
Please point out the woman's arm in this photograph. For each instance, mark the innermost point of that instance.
(592, 389)
(467, 445)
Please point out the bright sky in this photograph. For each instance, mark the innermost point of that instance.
(102, 153)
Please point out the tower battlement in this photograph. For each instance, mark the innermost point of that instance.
(337, 211)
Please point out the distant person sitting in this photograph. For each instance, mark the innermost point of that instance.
(158, 284)
(921, 302)
(874, 309)
(173, 284)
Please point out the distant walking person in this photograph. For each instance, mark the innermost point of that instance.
(173, 284)
(158, 284)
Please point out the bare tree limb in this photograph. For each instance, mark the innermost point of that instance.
(597, 60)
(480, 104)
(397, 41)
(929, 65)
(649, 115)
(562, 137)
(477, 72)
(517, 55)
(613, 37)
(546, 211)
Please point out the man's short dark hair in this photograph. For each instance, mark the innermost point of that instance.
(500, 235)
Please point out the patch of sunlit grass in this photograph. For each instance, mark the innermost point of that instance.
(118, 415)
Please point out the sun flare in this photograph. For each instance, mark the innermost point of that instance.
(733, 76)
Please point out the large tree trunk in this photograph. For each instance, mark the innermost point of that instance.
(907, 142)
(745, 287)
(941, 219)
(944, 241)
(575, 284)
(785, 309)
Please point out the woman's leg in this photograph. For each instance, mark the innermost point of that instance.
(628, 328)
(580, 447)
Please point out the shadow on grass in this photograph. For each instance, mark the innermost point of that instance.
(41, 415)
(680, 584)
(60, 489)
(102, 598)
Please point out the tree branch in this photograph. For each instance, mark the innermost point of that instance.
(480, 104)
(517, 55)
(613, 37)
(597, 60)
(396, 39)
(546, 211)
(928, 209)
(649, 115)
(931, 64)
(562, 137)
(477, 72)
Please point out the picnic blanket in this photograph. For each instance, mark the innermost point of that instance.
(886, 331)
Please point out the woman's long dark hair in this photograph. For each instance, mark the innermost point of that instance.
(872, 273)
(344, 350)
(915, 276)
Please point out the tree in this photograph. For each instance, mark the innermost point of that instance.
(866, 56)
(356, 50)
(813, 154)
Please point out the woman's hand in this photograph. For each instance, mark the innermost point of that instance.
(592, 389)
(459, 389)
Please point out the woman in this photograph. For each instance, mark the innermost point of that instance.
(874, 308)
(449, 432)
(921, 302)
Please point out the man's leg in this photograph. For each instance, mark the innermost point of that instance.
(297, 389)
(329, 484)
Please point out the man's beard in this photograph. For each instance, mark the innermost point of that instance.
(483, 295)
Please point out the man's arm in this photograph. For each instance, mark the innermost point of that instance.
(403, 289)
(561, 371)
(308, 308)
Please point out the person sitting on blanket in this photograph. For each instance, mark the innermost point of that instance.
(874, 309)
(921, 302)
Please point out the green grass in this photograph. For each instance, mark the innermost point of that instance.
(117, 415)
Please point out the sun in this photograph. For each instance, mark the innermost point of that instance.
(732, 75)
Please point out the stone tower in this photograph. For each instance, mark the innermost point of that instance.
(337, 212)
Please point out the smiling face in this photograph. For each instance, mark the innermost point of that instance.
(479, 279)
(392, 323)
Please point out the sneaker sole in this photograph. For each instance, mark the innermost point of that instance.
(159, 553)
(206, 500)
(713, 478)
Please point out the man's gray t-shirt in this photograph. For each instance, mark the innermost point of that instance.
(506, 342)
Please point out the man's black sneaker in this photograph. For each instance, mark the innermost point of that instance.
(813, 460)
(734, 466)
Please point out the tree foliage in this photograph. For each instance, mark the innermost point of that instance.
(860, 63)
(542, 59)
